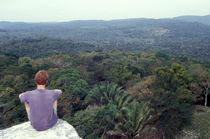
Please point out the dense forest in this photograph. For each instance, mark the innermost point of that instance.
(108, 93)
(120, 78)
(42, 47)
(176, 37)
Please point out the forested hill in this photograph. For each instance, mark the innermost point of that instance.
(170, 36)
(199, 19)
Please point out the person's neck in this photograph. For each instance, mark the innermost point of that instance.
(41, 87)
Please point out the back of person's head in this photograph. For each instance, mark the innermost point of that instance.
(41, 77)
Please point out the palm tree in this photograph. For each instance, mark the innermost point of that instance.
(121, 113)
(104, 93)
(135, 118)
(123, 100)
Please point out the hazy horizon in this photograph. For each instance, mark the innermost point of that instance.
(96, 19)
(68, 10)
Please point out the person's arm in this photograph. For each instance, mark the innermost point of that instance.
(55, 107)
(27, 109)
(26, 106)
(55, 103)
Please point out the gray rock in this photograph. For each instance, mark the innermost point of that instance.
(62, 130)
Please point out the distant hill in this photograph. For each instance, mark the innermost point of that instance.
(199, 19)
(171, 36)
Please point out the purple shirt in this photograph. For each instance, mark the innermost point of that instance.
(41, 101)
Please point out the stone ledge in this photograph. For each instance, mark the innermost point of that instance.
(62, 130)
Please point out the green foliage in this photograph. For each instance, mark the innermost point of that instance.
(97, 58)
(94, 100)
(8, 80)
(203, 77)
(199, 127)
(121, 74)
(200, 124)
(18, 114)
(104, 93)
(74, 87)
(172, 98)
(105, 118)
(162, 55)
(84, 121)
(24, 60)
(41, 47)
(118, 115)
(173, 37)
(71, 81)
(10, 91)
(135, 118)
(171, 78)
(23, 82)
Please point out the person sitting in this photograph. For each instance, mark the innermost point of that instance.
(41, 103)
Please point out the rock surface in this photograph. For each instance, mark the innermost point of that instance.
(62, 130)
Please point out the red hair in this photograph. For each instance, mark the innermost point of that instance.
(41, 77)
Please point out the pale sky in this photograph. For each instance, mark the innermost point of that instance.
(67, 10)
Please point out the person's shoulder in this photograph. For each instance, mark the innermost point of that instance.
(25, 93)
(28, 92)
(54, 90)
(31, 91)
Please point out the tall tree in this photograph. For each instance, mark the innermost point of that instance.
(171, 98)
(203, 77)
